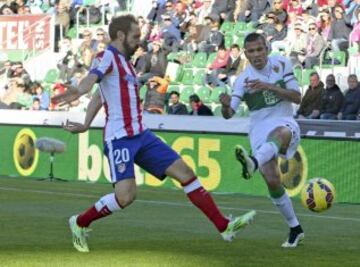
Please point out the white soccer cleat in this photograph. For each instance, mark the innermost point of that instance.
(236, 224)
(79, 235)
(248, 164)
(296, 237)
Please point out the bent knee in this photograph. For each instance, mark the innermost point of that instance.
(180, 171)
(125, 199)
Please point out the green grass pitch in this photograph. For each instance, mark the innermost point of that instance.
(162, 229)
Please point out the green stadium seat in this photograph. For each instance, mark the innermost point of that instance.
(298, 74)
(199, 77)
(250, 27)
(143, 90)
(172, 88)
(172, 56)
(240, 27)
(199, 60)
(186, 93)
(214, 97)
(339, 56)
(204, 94)
(306, 76)
(227, 26)
(51, 76)
(211, 58)
(240, 41)
(229, 40)
(187, 77)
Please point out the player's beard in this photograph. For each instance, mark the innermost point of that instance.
(129, 51)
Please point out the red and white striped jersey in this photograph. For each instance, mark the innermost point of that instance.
(120, 94)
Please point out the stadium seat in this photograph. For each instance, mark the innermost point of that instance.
(240, 41)
(172, 88)
(339, 56)
(199, 77)
(185, 94)
(199, 60)
(214, 97)
(143, 90)
(229, 40)
(204, 94)
(51, 76)
(172, 56)
(250, 27)
(298, 74)
(227, 26)
(187, 77)
(240, 27)
(211, 58)
(306, 77)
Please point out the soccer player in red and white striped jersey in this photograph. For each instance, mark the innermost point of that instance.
(127, 141)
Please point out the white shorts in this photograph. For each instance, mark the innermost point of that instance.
(259, 134)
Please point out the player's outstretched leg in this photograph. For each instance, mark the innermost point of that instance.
(203, 200)
(248, 163)
(79, 224)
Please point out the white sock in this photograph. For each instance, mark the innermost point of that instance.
(266, 152)
(108, 202)
(286, 209)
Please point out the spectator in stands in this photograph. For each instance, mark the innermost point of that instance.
(38, 92)
(35, 104)
(204, 11)
(176, 107)
(6, 68)
(295, 6)
(296, 45)
(240, 10)
(277, 40)
(232, 66)
(192, 40)
(69, 62)
(6, 10)
(332, 100)
(170, 34)
(311, 102)
(325, 24)
(355, 34)
(139, 58)
(279, 11)
(215, 38)
(17, 71)
(314, 46)
(198, 108)
(157, 10)
(154, 101)
(351, 105)
(101, 38)
(16, 86)
(224, 9)
(218, 67)
(101, 46)
(339, 31)
(255, 9)
(145, 28)
(155, 64)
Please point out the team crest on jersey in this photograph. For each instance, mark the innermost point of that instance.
(121, 167)
(276, 69)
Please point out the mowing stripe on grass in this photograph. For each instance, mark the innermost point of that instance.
(167, 203)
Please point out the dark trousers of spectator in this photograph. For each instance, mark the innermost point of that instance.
(207, 48)
(212, 78)
(311, 62)
(328, 116)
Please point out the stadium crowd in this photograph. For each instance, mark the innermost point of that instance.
(204, 39)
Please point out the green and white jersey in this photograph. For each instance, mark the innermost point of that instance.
(264, 104)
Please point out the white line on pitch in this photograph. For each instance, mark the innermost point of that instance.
(166, 203)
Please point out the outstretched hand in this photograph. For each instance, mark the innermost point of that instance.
(74, 127)
(257, 85)
(225, 99)
(71, 94)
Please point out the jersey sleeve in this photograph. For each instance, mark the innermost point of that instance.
(289, 76)
(238, 91)
(102, 65)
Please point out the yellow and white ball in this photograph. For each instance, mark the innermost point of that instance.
(318, 194)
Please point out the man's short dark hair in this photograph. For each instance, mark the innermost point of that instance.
(174, 93)
(121, 23)
(252, 37)
(194, 98)
(235, 46)
(315, 74)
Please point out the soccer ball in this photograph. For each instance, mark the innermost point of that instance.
(318, 194)
(25, 151)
